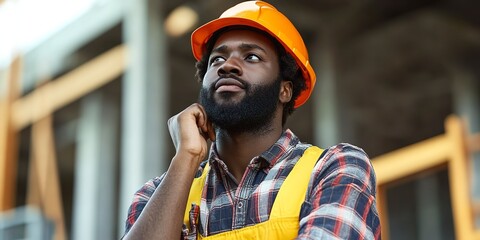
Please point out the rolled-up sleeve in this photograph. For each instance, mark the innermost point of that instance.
(140, 200)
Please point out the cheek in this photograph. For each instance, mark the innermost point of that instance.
(210, 76)
(211, 72)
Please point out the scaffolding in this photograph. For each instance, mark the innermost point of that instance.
(453, 150)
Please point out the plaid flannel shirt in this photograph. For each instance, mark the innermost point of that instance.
(340, 200)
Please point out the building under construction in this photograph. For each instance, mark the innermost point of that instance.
(83, 112)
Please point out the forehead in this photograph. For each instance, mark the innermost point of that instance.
(235, 38)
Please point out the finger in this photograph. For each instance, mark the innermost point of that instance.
(203, 133)
(203, 119)
(208, 126)
(211, 131)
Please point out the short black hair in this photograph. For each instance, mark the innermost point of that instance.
(289, 69)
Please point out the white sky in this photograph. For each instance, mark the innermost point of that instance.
(25, 23)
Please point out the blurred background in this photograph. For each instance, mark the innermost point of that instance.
(86, 88)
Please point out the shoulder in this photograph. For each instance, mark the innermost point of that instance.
(346, 150)
(344, 155)
(345, 164)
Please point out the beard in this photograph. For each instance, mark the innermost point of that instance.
(253, 113)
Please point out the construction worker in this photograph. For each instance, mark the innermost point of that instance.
(258, 180)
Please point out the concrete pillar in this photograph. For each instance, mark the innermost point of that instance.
(94, 212)
(325, 104)
(466, 93)
(145, 100)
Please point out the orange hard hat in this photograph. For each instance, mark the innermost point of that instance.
(263, 16)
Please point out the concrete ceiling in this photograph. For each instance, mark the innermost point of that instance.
(379, 47)
(355, 27)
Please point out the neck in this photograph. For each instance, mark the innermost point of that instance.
(237, 149)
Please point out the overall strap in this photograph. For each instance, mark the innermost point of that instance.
(293, 191)
(195, 194)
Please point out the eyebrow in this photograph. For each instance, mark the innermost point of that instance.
(243, 47)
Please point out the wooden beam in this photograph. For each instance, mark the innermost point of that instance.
(69, 87)
(5, 165)
(459, 182)
(411, 160)
(8, 138)
(47, 188)
(382, 206)
(474, 145)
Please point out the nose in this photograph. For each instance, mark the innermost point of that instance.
(230, 66)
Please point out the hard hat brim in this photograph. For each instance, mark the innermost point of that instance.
(202, 34)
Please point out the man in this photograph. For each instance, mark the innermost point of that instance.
(259, 181)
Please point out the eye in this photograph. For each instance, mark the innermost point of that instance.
(216, 59)
(253, 58)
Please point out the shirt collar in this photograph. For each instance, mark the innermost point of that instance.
(287, 141)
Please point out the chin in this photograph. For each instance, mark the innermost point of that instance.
(227, 99)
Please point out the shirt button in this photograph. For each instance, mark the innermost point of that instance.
(240, 205)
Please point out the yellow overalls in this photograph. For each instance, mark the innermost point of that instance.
(284, 217)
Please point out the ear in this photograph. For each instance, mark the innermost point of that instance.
(286, 89)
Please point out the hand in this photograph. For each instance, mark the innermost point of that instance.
(190, 130)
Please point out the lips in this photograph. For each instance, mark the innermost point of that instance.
(228, 84)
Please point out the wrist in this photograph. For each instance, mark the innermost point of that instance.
(185, 162)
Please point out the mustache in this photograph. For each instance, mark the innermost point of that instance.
(232, 76)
